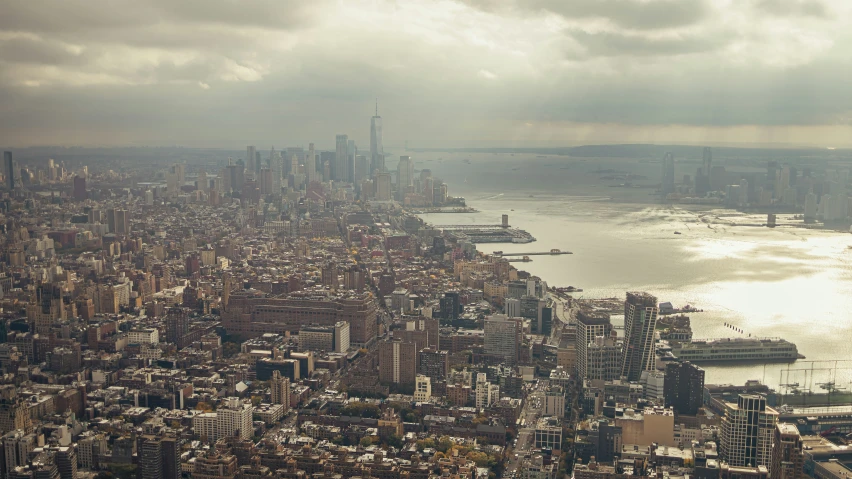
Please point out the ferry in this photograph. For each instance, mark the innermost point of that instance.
(736, 349)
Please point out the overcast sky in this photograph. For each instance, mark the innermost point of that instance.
(447, 73)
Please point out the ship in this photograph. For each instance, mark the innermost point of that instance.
(736, 349)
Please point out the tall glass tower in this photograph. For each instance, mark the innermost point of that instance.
(377, 152)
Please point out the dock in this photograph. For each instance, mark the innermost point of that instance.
(537, 253)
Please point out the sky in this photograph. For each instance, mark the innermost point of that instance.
(464, 73)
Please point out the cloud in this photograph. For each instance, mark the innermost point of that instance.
(807, 8)
(227, 72)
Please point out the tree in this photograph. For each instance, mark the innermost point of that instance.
(394, 441)
(366, 441)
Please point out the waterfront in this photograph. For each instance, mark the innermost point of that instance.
(786, 282)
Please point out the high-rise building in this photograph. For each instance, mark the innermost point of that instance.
(339, 171)
(397, 362)
(17, 447)
(377, 153)
(603, 358)
(311, 165)
(360, 169)
(433, 363)
(233, 418)
(280, 389)
(683, 388)
(150, 457)
(787, 454)
(203, 182)
(405, 176)
(351, 153)
(383, 186)
(503, 337)
(80, 188)
(747, 430)
(9, 170)
(640, 319)
(122, 222)
(252, 167)
(668, 175)
(590, 325)
(706, 160)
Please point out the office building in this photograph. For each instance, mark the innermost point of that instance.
(252, 166)
(603, 358)
(684, 387)
(590, 325)
(280, 390)
(339, 170)
(397, 362)
(233, 418)
(787, 453)
(503, 337)
(311, 165)
(640, 319)
(405, 176)
(80, 193)
(422, 388)
(747, 430)
(377, 154)
(9, 170)
(383, 186)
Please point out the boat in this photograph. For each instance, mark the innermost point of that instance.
(677, 232)
(736, 349)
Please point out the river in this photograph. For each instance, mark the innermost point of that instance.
(786, 282)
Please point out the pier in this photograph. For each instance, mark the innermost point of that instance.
(537, 253)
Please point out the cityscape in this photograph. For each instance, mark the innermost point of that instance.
(402, 240)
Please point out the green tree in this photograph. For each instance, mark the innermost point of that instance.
(394, 441)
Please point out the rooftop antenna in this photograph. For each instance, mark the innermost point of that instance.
(377, 106)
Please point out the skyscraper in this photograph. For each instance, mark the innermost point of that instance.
(747, 429)
(787, 455)
(383, 186)
(590, 325)
(405, 176)
(80, 188)
(251, 168)
(339, 170)
(9, 170)
(377, 152)
(276, 167)
(397, 362)
(684, 387)
(706, 160)
(311, 164)
(351, 153)
(280, 389)
(503, 337)
(640, 319)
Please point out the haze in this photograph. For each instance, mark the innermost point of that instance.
(447, 74)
